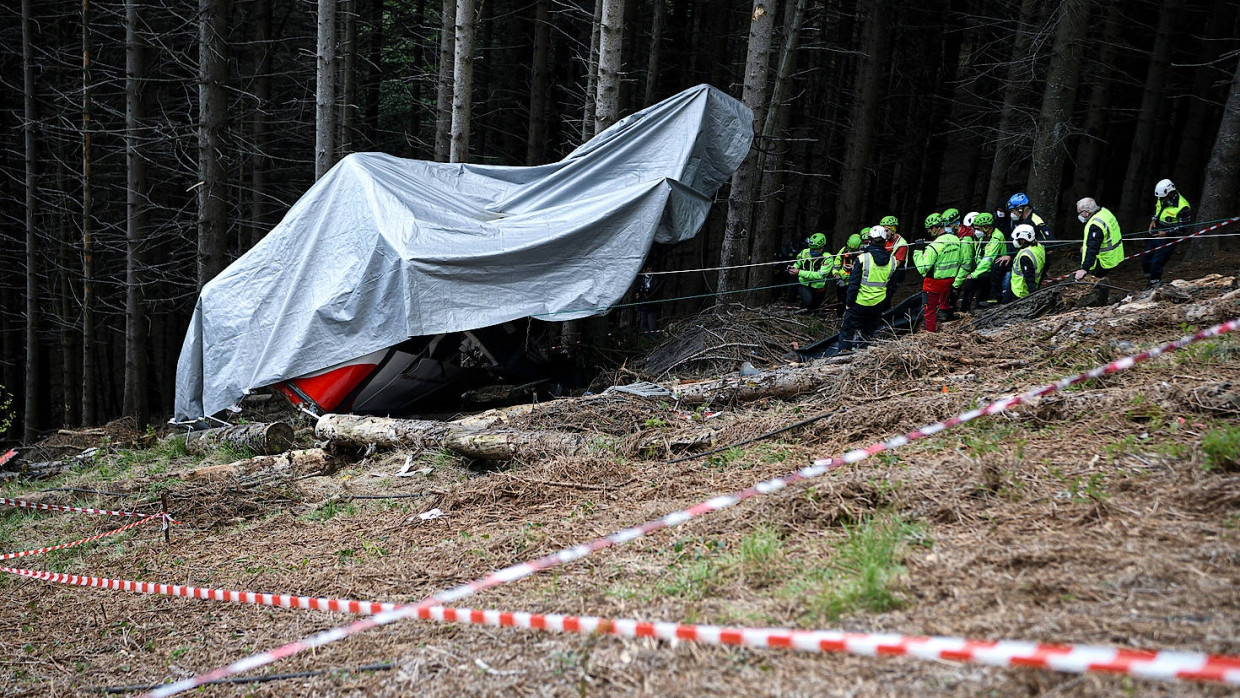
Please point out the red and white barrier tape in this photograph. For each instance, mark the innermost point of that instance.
(8, 455)
(307, 603)
(1149, 664)
(1176, 241)
(627, 535)
(58, 507)
(126, 527)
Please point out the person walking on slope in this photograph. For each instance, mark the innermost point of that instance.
(1029, 265)
(938, 262)
(1171, 213)
(867, 288)
(810, 272)
(1103, 247)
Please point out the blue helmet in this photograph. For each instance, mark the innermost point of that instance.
(1018, 199)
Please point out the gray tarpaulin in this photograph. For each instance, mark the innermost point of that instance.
(382, 249)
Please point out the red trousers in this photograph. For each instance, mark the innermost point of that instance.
(936, 299)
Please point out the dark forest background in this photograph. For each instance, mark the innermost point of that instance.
(146, 144)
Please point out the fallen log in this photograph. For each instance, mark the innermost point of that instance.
(310, 461)
(477, 437)
(783, 382)
(261, 439)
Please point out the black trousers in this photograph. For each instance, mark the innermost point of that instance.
(811, 298)
(859, 320)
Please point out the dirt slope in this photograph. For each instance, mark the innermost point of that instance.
(1094, 516)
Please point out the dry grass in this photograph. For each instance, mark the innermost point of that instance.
(1086, 517)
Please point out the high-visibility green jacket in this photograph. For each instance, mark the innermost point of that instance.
(874, 278)
(835, 266)
(1171, 216)
(1036, 254)
(1110, 249)
(993, 249)
(811, 269)
(940, 259)
(968, 257)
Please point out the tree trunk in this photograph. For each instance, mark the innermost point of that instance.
(1140, 160)
(747, 178)
(1198, 133)
(771, 162)
(596, 28)
(325, 90)
(610, 42)
(855, 175)
(260, 161)
(260, 439)
(90, 373)
(443, 94)
(1098, 116)
(536, 135)
(348, 77)
(135, 394)
(463, 79)
(1019, 77)
(212, 110)
(652, 61)
(30, 413)
(1219, 193)
(1055, 119)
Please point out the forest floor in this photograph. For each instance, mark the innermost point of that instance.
(1108, 514)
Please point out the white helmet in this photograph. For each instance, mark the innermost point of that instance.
(1023, 232)
(1164, 187)
(878, 232)
(968, 218)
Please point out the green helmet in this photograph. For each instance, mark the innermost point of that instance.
(984, 220)
(934, 220)
(817, 240)
(890, 222)
(854, 240)
(951, 215)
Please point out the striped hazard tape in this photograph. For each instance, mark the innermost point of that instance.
(1176, 241)
(126, 527)
(79, 510)
(818, 468)
(1148, 664)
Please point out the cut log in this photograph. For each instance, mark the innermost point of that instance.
(311, 461)
(463, 438)
(383, 432)
(784, 382)
(261, 439)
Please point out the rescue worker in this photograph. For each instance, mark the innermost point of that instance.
(809, 269)
(867, 288)
(1103, 246)
(951, 219)
(839, 266)
(1019, 212)
(990, 246)
(968, 254)
(898, 247)
(1171, 213)
(1029, 265)
(938, 263)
